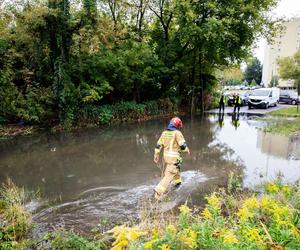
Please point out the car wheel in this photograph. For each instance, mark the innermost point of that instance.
(275, 104)
(294, 102)
(249, 107)
(266, 105)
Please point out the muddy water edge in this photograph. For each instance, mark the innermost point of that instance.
(92, 176)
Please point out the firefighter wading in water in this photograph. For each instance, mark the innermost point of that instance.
(173, 144)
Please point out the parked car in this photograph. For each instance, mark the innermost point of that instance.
(264, 97)
(289, 97)
(244, 97)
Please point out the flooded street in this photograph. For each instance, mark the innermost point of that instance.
(92, 175)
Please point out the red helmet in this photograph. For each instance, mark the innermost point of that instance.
(177, 122)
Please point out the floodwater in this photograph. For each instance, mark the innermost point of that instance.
(92, 176)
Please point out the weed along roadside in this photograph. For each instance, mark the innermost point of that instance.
(285, 121)
(232, 218)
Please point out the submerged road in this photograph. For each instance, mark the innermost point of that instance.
(246, 110)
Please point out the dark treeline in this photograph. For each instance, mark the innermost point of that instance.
(61, 60)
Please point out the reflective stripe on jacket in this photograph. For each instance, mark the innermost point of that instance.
(171, 143)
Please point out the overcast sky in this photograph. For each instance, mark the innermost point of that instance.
(285, 8)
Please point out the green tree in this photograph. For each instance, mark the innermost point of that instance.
(289, 67)
(253, 71)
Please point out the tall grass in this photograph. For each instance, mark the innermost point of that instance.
(15, 221)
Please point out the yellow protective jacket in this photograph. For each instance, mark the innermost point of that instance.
(173, 143)
(237, 100)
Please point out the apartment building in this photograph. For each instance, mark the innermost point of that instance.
(285, 44)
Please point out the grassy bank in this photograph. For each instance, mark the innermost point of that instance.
(284, 121)
(16, 227)
(268, 219)
(286, 112)
(102, 115)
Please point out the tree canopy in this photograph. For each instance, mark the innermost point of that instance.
(59, 57)
(289, 67)
(253, 71)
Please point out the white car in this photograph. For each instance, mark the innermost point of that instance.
(264, 97)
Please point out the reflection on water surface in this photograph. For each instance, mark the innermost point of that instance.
(92, 172)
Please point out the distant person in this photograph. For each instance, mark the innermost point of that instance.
(221, 119)
(222, 103)
(173, 144)
(237, 101)
(235, 120)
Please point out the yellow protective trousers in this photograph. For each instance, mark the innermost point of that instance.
(171, 173)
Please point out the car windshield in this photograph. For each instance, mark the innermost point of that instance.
(261, 92)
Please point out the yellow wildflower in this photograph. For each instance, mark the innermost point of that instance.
(120, 245)
(294, 230)
(206, 214)
(155, 234)
(184, 209)
(272, 187)
(286, 190)
(267, 203)
(253, 235)
(189, 238)
(123, 235)
(280, 211)
(251, 203)
(171, 229)
(229, 237)
(165, 247)
(149, 244)
(244, 214)
(213, 201)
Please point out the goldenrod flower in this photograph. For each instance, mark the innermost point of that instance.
(171, 228)
(229, 237)
(189, 238)
(251, 203)
(244, 214)
(272, 187)
(287, 191)
(213, 201)
(253, 235)
(184, 209)
(120, 245)
(267, 203)
(123, 235)
(165, 247)
(149, 244)
(280, 211)
(206, 214)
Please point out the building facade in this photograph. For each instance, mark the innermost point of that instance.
(285, 44)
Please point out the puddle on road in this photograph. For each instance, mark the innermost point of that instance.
(92, 174)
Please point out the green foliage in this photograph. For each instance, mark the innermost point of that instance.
(131, 109)
(105, 114)
(246, 220)
(289, 67)
(253, 71)
(281, 123)
(15, 220)
(60, 60)
(282, 126)
(287, 112)
(68, 240)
